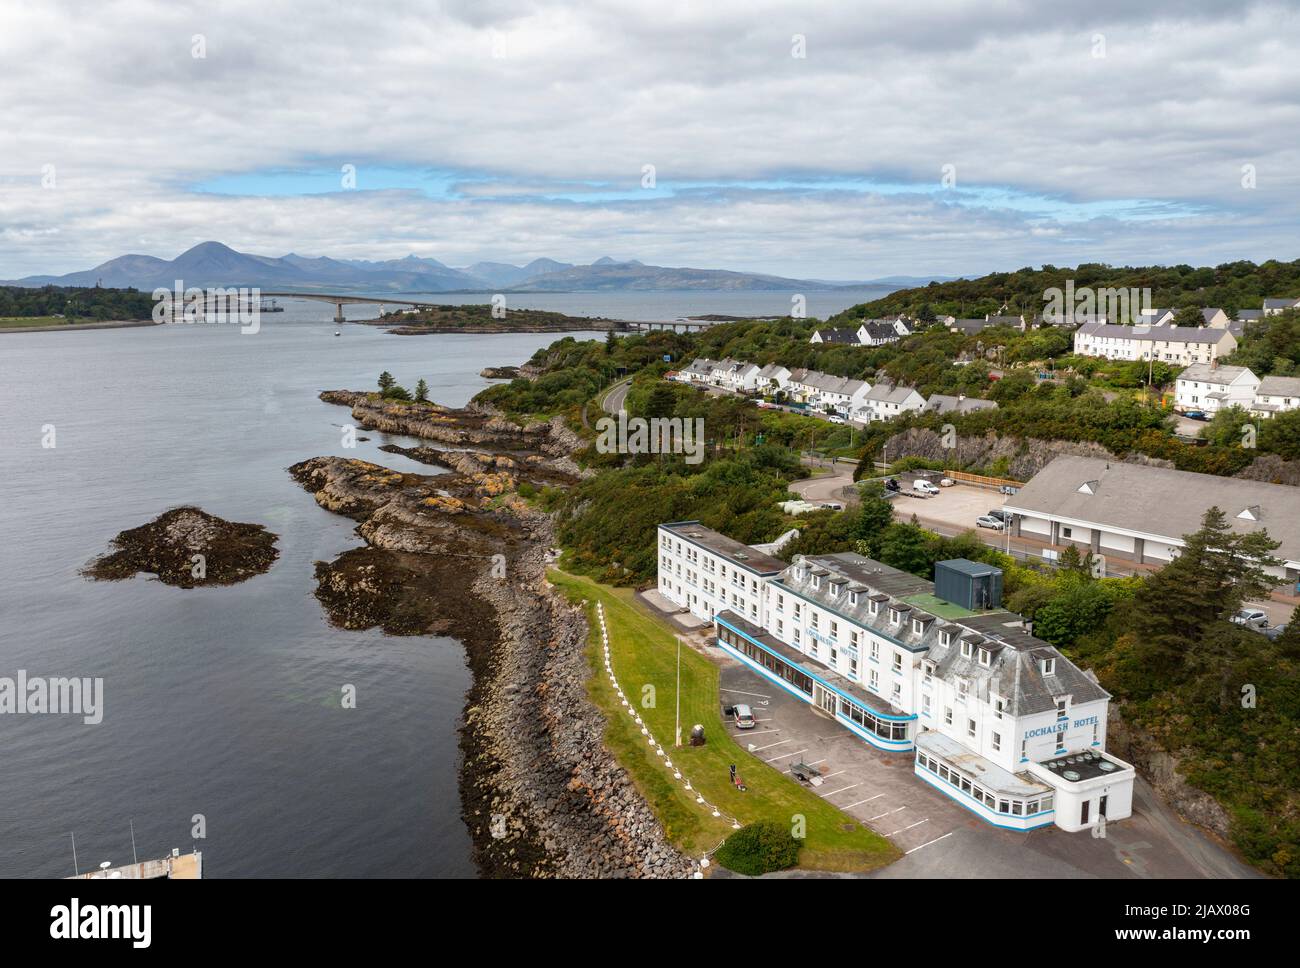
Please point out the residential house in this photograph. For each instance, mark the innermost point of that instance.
(943, 403)
(771, 378)
(835, 335)
(699, 371)
(885, 402)
(1275, 394)
(1210, 388)
(878, 332)
(1177, 345)
(1274, 306)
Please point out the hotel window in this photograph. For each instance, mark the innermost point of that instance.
(970, 728)
(780, 627)
(780, 603)
(873, 608)
(835, 630)
(796, 636)
(945, 638)
(835, 656)
(898, 662)
(998, 708)
(853, 598)
(817, 581)
(1061, 705)
(961, 691)
(918, 627)
(965, 649)
(1067, 532)
(812, 621)
(947, 715)
(853, 638)
(984, 657)
(929, 672)
(895, 616)
(925, 705)
(875, 679)
(835, 590)
(796, 611)
(997, 742)
(1049, 667)
(853, 667)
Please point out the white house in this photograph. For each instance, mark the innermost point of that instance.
(772, 377)
(878, 332)
(1140, 513)
(1177, 345)
(699, 371)
(885, 401)
(734, 375)
(1213, 388)
(1275, 394)
(834, 335)
(1274, 306)
(992, 717)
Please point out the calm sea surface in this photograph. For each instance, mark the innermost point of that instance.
(222, 705)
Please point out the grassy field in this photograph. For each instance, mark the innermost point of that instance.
(7, 322)
(644, 653)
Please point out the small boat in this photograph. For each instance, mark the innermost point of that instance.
(338, 332)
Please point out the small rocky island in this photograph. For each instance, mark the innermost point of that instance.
(188, 547)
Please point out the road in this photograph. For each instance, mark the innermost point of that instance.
(824, 486)
(613, 401)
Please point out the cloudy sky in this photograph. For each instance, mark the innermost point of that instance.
(829, 140)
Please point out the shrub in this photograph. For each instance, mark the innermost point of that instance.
(759, 849)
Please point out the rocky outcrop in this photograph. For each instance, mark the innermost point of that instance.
(1025, 456)
(458, 553)
(188, 547)
(1272, 469)
(1160, 768)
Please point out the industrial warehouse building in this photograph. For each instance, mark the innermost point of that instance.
(994, 718)
(1140, 513)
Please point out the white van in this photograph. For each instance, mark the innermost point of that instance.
(924, 487)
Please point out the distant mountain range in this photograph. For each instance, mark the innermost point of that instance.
(214, 264)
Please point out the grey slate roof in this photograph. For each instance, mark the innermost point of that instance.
(1014, 672)
(1163, 334)
(836, 335)
(1250, 315)
(1279, 386)
(738, 554)
(1286, 303)
(888, 393)
(1159, 501)
(881, 331)
(944, 403)
(1218, 375)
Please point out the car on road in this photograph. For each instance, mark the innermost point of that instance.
(835, 418)
(1253, 618)
(989, 521)
(924, 487)
(742, 716)
(946, 482)
(1274, 632)
(1195, 415)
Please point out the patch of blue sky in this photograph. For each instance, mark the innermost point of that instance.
(451, 184)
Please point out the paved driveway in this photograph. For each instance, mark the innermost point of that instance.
(938, 837)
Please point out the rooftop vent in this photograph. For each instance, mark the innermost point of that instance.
(1089, 487)
(1250, 514)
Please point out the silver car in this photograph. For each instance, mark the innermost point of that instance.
(989, 521)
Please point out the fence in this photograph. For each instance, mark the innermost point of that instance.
(982, 481)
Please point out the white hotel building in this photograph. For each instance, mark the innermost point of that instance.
(992, 717)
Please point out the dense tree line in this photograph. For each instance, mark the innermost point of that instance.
(75, 303)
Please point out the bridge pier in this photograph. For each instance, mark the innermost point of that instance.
(338, 314)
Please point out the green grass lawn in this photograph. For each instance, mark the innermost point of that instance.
(7, 322)
(644, 653)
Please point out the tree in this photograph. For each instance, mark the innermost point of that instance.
(611, 341)
(662, 401)
(1217, 570)
(421, 390)
(386, 381)
(905, 546)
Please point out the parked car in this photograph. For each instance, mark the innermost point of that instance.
(1195, 415)
(835, 418)
(924, 487)
(1274, 632)
(947, 482)
(1254, 618)
(891, 484)
(832, 506)
(989, 521)
(742, 716)
(998, 513)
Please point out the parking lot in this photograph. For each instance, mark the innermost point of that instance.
(938, 837)
(957, 506)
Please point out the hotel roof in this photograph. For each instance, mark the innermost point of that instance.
(1159, 501)
(740, 555)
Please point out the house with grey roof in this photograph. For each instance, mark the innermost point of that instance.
(1276, 394)
(1141, 513)
(878, 332)
(1209, 388)
(1274, 306)
(699, 371)
(772, 377)
(885, 401)
(1176, 345)
(843, 337)
(961, 404)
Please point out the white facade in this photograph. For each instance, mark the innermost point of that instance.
(885, 402)
(1214, 388)
(993, 717)
(1176, 345)
(1275, 395)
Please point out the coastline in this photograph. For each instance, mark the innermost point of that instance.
(540, 794)
(65, 327)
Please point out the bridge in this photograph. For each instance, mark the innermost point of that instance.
(676, 325)
(341, 301)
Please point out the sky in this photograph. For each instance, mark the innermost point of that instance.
(827, 140)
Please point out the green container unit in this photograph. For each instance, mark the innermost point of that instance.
(970, 584)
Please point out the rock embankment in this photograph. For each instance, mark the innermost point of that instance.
(459, 553)
(188, 547)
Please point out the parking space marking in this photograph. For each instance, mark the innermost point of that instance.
(908, 827)
(770, 745)
(781, 756)
(753, 732)
(841, 790)
(885, 814)
(829, 775)
(861, 802)
(741, 692)
(929, 842)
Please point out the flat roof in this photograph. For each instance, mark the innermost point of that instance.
(741, 555)
(980, 770)
(1077, 767)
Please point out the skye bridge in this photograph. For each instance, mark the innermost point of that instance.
(635, 326)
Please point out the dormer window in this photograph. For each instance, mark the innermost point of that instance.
(895, 616)
(918, 627)
(985, 655)
(1062, 707)
(835, 590)
(873, 608)
(945, 638)
(1049, 667)
(853, 598)
(965, 649)
(817, 581)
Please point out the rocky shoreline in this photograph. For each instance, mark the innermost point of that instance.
(458, 553)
